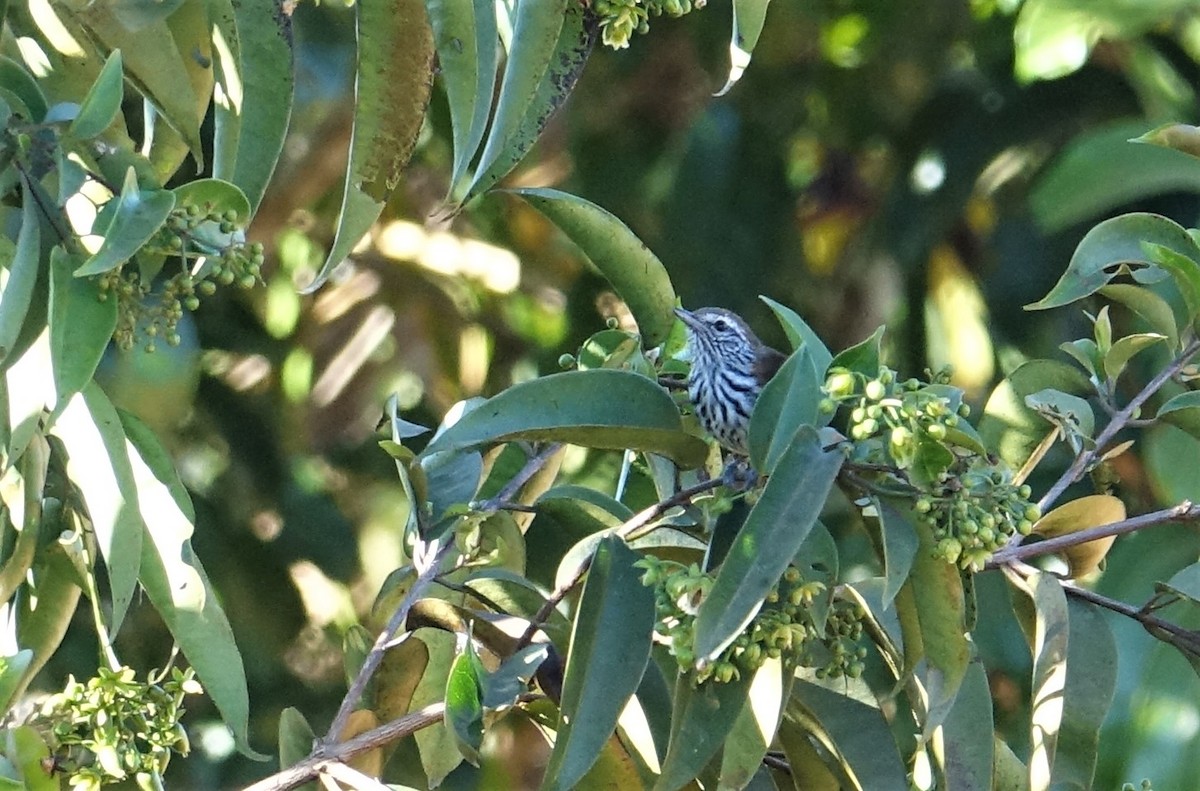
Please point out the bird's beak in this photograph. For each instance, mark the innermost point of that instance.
(686, 316)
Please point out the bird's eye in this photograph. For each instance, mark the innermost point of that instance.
(720, 325)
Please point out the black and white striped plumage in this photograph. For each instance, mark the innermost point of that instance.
(730, 365)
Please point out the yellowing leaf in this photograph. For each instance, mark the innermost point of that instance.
(1082, 514)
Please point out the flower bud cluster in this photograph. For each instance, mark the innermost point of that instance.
(156, 316)
(784, 627)
(976, 514)
(620, 19)
(912, 430)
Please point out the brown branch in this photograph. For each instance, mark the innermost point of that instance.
(1184, 639)
(1184, 512)
(325, 755)
(637, 521)
(1086, 459)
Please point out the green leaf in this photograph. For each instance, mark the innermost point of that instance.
(1112, 247)
(468, 49)
(1091, 682)
(852, 730)
(439, 753)
(103, 101)
(1071, 413)
(1184, 270)
(701, 719)
(1125, 348)
(748, 19)
(176, 583)
(25, 748)
(214, 195)
(464, 702)
(536, 39)
(899, 543)
(17, 83)
(81, 325)
(932, 611)
(1049, 642)
(22, 275)
(99, 464)
(296, 737)
(1066, 194)
(863, 357)
(1180, 137)
(790, 400)
(137, 217)
(46, 605)
(968, 746)
(755, 727)
(1150, 306)
(518, 596)
(1184, 583)
(12, 669)
(800, 334)
(395, 62)
(773, 532)
(1183, 411)
(159, 70)
(252, 48)
(502, 688)
(633, 270)
(600, 408)
(610, 646)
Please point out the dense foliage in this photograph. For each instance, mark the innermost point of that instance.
(237, 232)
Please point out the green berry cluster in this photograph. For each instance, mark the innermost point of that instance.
(976, 513)
(115, 727)
(783, 628)
(912, 434)
(620, 19)
(186, 238)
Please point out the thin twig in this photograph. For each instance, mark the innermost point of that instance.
(324, 755)
(1120, 420)
(1184, 512)
(1181, 638)
(638, 520)
(502, 500)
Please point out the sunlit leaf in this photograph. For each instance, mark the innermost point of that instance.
(81, 325)
(701, 719)
(967, 749)
(748, 19)
(22, 275)
(1091, 682)
(1081, 514)
(773, 532)
(610, 645)
(1183, 411)
(16, 81)
(464, 702)
(863, 357)
(137, 217)
(800, 334)
(395, 61)
(1181, 137)
(439, 753)
(754, 730)
(1150, 306)
(600, 408)
(632, 269)
(790, 400)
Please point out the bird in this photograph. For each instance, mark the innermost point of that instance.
(730, 367)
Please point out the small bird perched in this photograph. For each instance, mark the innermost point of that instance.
(730, 366)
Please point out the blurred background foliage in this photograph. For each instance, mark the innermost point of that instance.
(928, 165)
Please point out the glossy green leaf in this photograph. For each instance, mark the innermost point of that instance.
(1114, 246)
(395, 62)
(790, 400)
(18, 83)
(701, 719)
(899, 543)
(103, 101)
(800, 334)
(22, 275)
(1183, 411)
(756, 724)
(468, 48)
(852, 730)
(436, 745)
(633, 270)
(1091, 682)
(773, 532)
(1184, 270)
(863, 357)
(176, 583)
(464, 702)
(1066, 194)
(1124, 349)
(932, 611)
(137, 217)
(1150, 306)
(252, 48)
(214, 195)
(968, 751)
(99, 464)
(599, 408)
(535, 43)
(81, 325)
(452, 479)
(610, 646)
(159, 72)
(748, 19)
